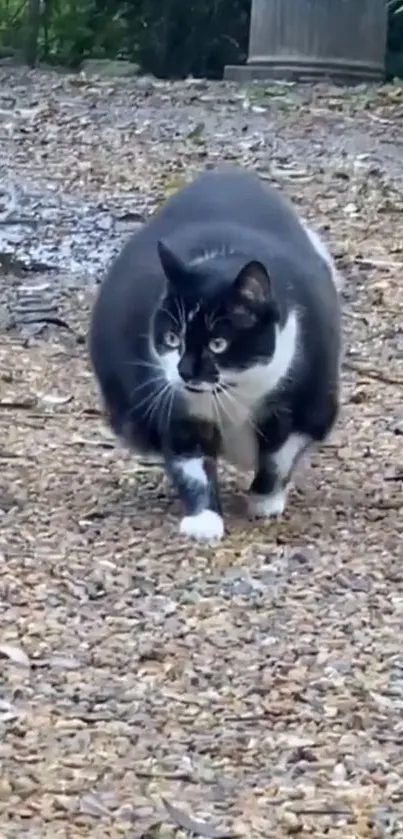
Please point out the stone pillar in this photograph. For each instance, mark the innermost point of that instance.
(309, 40)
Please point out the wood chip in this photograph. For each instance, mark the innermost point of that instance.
(15, 654)
(54, 399)
(199, 828)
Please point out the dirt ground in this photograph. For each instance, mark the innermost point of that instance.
(150, 687)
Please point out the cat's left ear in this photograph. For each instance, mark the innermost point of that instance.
(253, 285)
(172, 265)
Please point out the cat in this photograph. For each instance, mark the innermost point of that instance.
(217, 333)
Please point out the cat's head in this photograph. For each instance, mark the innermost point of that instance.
(217, 317)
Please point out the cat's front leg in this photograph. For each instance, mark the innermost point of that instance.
(268, 491)
(195, 480)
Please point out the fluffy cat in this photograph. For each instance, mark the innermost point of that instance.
(216, 334)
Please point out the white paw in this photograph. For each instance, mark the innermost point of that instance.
(267, 506)
(206, 526)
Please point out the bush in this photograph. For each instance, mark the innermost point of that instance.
(394, 55)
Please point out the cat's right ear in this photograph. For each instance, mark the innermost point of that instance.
(253, 295)
(253, 284)
(173, 267)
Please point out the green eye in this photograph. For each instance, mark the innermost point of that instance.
(218, 345)
(171, 340)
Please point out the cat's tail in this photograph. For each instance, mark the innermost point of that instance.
(323, 251)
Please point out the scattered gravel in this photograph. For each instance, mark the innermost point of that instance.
(149, 687)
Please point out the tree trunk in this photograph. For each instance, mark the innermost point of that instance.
(32, 31)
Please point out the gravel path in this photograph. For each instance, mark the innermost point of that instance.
(151, 688)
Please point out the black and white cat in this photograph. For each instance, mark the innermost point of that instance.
(217, 334)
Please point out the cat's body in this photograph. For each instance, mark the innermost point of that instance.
(217, 334)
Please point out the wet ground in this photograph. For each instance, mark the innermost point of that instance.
(257, 686)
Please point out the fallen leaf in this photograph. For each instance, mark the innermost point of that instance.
(191, 824)
(56, 398)
(62, 662)
(7, 711)
(93, 806)
(14, 654)
(197, 131)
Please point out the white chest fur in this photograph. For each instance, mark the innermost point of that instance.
(240, 447)
(234, 423)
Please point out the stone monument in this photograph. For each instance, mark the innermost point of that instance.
(309, 40)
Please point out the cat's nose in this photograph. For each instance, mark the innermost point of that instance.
(185, 369)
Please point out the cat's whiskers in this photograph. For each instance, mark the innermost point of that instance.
(170, 393)
(144, 402)
(149, 396)
(240, 416)
(216, 411)
(149, 364)
(246, 417)
(150, 381)
(220, 410)
(154, 402)
(181, 312)
(158, 399)
(170, 406)
(158, 404)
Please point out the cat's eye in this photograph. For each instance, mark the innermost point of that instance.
(218, 345)
(172, 340)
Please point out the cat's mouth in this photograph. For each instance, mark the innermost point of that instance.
(206, 388)
(199, 388)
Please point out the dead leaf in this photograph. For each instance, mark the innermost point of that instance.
(200, 828)
(61, 662)
(197, 131)
(15, 654)
(55, 398)
(7, 711)
(93, 806)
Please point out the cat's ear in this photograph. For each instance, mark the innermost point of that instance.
(252, 296)
(253, 285)
(172, 265)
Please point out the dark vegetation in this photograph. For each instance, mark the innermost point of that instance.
(169, 38)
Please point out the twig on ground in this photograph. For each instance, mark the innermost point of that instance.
(5, 455)
(372, 373)
(199, 828)
(187, 777)
(323, 811)
(18, 220)
(18, 405)
(378, 263)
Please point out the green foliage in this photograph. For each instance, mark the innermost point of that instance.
(170, 38)
(181, 37)
(395, 7)
(394, 56)
(79, 29)
(12, 24)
